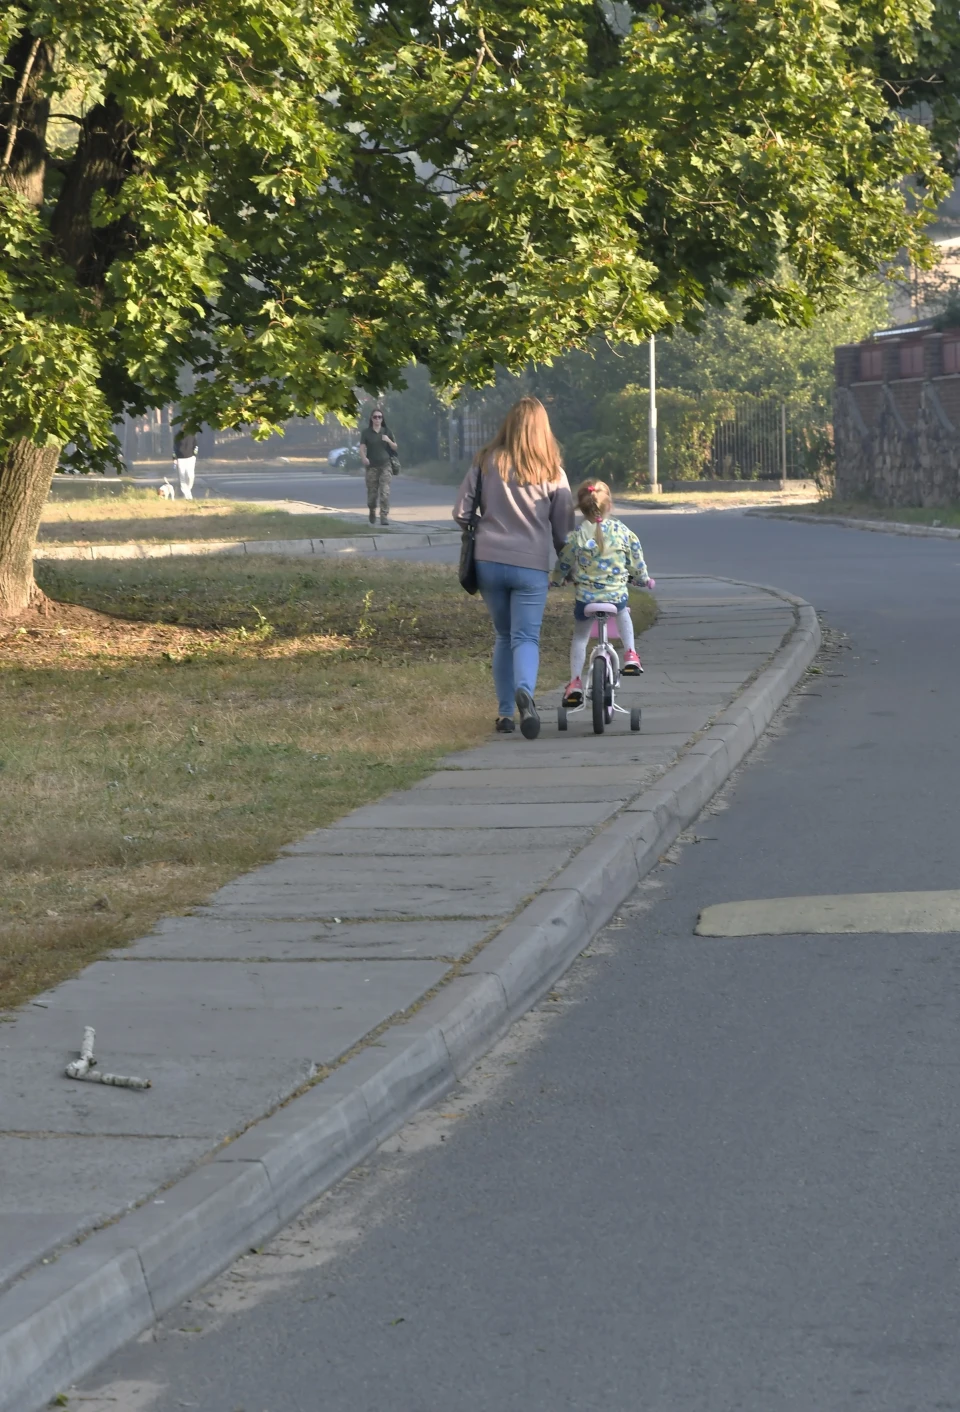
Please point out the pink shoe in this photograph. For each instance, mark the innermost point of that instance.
(631, 665)
(573, 695)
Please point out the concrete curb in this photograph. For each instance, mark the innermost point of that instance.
(287, 548)
(877, 526)
(59, 1322)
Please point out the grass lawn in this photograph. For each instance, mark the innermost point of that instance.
(140, 514)
(223, 709)
(946, 515)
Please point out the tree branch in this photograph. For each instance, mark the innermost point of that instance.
(482, 53)
(14, 124)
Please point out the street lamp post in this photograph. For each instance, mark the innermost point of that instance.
(652, 432)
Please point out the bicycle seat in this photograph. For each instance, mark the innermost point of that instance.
(592, 609)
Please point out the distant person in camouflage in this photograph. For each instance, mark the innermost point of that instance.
(378, 451)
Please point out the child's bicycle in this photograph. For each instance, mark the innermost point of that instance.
(602, 678)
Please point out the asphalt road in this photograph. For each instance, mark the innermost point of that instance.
(706, 1176)
(410, 499)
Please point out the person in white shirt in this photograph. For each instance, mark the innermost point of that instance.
(185, 460)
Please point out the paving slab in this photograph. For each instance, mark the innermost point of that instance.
(27, 1236)
(311, 963)
(545, 775)
(169, 1109)
(362, 903)
(450, 871)
(585, 791)
(583, 752)
(384, 842)
(728, 655)
(657, 723)
(451, 816)
(224, 1010)
(713, 632)
(703, 638)
(106, 1173)
(205, 938)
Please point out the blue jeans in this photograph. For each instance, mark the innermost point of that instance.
(515, 600)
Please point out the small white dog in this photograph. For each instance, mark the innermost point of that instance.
(166, 491)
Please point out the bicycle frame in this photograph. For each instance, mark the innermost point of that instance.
(608, 652)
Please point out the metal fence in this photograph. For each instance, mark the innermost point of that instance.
(755, 443)
(764, 438)
(150, 437)
(468, 429)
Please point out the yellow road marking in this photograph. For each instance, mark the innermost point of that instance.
(851, 912)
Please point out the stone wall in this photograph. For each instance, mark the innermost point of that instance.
(896, 419)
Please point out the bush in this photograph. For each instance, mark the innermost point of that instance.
(609, 458)
(813, 446)
(685, 426)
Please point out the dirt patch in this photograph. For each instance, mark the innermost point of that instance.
(66, 634)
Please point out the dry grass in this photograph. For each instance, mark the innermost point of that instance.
(714, 499)
(140, 515)
(946, 515)
(440, 473)
(147, 759)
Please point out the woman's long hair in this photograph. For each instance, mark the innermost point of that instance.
(595, 501)
(526, 445)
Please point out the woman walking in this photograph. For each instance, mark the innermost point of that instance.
(378, 451)
(526, 512)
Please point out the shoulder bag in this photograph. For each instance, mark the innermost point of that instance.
(468, 544)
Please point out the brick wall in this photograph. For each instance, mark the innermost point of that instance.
(896, 419)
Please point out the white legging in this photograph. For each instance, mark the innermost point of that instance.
(581, 635)
(186, 467)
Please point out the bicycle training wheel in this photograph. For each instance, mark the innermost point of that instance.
(561, 718)
(635, 718)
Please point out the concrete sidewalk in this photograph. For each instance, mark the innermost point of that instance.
(379, 543)
(368, 966)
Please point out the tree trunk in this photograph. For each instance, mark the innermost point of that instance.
(25, 474)
(24, 114)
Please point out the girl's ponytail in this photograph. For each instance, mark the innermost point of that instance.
(595, 501)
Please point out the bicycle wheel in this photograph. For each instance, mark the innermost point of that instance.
(598, 692)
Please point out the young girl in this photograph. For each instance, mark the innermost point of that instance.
(600, 556)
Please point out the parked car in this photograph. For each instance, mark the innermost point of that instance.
(344, 458)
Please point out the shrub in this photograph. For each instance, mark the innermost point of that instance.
(685, 427)
(609, 458)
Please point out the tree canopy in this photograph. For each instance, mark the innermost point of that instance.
(294, 198)
(597, 397)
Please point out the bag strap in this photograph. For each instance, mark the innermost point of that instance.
(475, 512)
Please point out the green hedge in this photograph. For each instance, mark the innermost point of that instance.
(617, 450)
